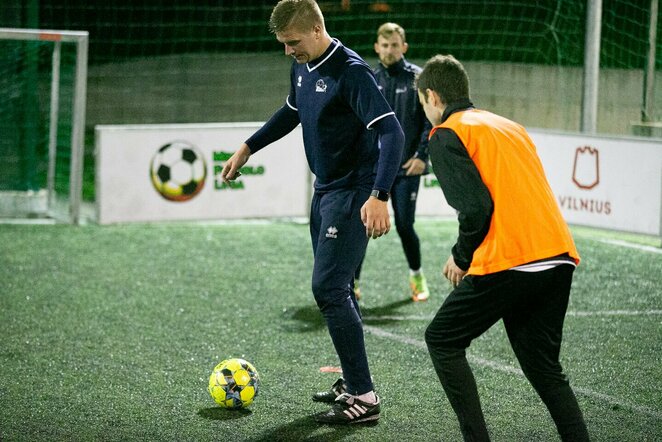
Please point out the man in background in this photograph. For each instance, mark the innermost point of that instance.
(395, 76)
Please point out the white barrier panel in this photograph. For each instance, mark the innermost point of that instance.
(606, 182)
(431, 201)
(184, 162)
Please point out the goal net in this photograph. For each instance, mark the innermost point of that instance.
(186, 61)
(207, 61)
(42, 114)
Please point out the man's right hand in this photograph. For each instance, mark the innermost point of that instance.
(231, 167)
(375, 218)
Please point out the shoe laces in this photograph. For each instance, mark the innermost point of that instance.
(338, 387)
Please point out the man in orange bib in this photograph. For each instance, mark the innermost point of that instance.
(514, 256)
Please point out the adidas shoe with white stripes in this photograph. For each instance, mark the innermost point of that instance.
(348, 409)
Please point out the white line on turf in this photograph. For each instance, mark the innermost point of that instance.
(516, 371)
(618, 242)
(28, 221)
(570, 313)
(616, 313)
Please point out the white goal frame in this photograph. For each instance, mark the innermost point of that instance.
(81, 40)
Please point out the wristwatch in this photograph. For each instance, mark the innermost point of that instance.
(380, 195)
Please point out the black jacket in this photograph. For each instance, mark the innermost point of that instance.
(463, 187)
(397, 84)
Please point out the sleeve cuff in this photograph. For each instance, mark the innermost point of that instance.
(460, 262)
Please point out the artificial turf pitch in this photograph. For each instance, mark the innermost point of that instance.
(110, 333)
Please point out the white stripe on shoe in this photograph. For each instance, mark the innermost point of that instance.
(355, 410)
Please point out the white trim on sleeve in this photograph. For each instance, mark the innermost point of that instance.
(287, 101)
(379, 118)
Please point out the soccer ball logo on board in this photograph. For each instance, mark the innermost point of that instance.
(178, 171)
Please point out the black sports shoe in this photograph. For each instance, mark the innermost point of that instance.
(348, 409)
(337, 389)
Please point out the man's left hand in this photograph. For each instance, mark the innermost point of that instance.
(375, 217)
(414, 166)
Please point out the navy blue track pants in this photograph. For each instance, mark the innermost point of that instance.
(339, 242)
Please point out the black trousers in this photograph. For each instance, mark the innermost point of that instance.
(532, 306)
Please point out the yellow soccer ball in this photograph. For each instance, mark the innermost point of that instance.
(234, 383)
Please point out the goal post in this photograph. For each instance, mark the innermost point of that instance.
(76, 144)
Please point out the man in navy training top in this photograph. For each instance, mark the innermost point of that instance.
(353, 144)
(395, 77)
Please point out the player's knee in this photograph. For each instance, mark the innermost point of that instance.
(435, 338)
(403, 224)
(546, 379)
(317, 287)
(404, 227)
(337, 309)
(328, 296)
(444, 344)
(406, 235)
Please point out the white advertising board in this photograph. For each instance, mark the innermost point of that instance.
(606, 182)
(431, 200)
(274, 182)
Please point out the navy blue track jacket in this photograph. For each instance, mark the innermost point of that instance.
(397, 84)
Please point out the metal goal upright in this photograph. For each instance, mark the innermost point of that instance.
(81, 40)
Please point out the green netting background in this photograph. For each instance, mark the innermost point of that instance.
(158, 61)
(541, 32)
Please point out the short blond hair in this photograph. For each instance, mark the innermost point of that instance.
(302, 15)
(388, 29)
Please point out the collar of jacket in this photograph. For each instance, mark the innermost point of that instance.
(456, 106)
(396, 68)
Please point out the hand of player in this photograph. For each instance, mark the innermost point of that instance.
(231, 167)
(375, 217)
(414, 166)
(452, 272)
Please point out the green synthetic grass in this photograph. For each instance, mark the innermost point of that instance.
(110, 333)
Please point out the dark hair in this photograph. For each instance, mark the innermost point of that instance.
(302, 15)
(446, 76)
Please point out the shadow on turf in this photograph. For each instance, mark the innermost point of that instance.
(306, 429)
(223, 414)
(309, 317)
(302, 429)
